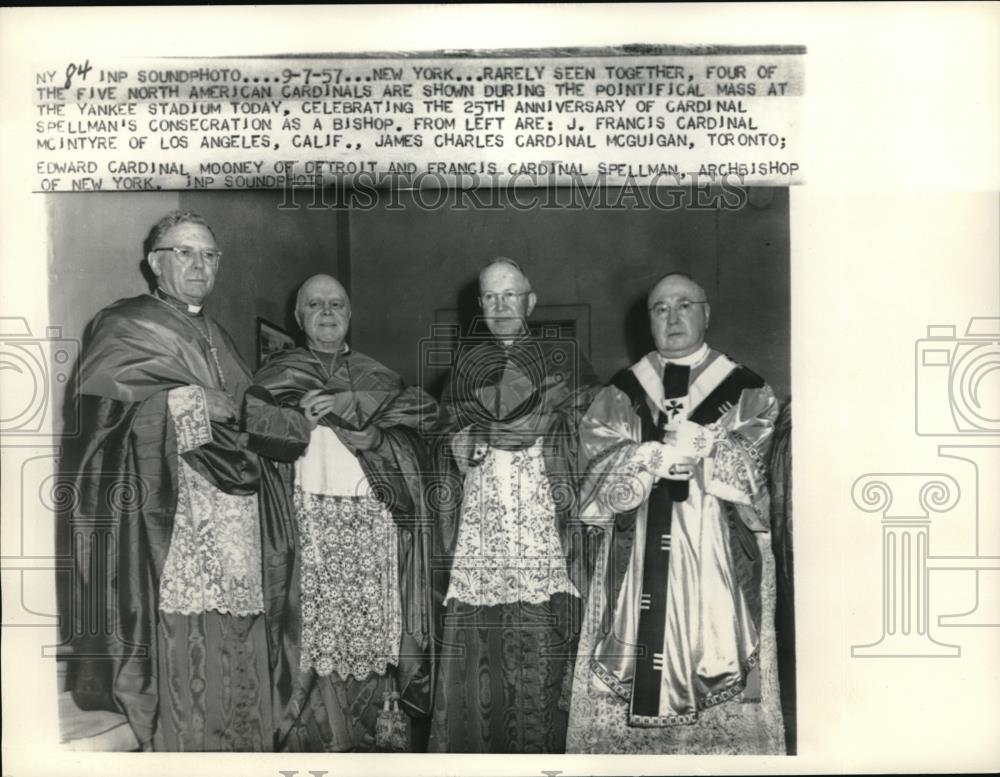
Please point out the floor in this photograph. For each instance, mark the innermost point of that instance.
(94, 730)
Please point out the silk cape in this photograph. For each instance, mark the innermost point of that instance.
(125, 488)
(395, 470)
(712, 633)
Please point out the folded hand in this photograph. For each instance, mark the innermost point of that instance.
(363, 440)
(316, 405)
(221, 406)
(689, 439)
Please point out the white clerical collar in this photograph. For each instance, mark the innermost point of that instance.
(342, 351)
(691, 360)
(194, 310)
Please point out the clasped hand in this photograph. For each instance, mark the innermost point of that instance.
(689, 439)
(680, 452)
(221, 406)
(315, 405)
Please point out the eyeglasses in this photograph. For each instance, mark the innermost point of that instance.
(491, 298)
(683, 307)
(186, 254)
(331, 304)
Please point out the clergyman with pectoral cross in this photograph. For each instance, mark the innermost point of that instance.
(677, 649)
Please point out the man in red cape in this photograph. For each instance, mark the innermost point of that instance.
(181, 648)
(507, 456)
(349, 597)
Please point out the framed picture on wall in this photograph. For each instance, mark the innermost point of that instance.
(271, 338)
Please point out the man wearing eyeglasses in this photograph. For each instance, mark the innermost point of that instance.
(161, 389)
(508, 422)
(677, 649)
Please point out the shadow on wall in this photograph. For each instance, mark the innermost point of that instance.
(638, 339)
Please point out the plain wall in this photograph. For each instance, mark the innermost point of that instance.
(95, 251)
(407, 262)
(95, 258)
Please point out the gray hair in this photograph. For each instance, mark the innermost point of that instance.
(171, 220)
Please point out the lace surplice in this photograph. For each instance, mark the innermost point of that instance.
(214, 561)
(508, 547)
(351, 614)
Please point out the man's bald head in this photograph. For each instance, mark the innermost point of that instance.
(506, 268)
(323, 310)
(678, 315)
(320, 280)
(678, 279)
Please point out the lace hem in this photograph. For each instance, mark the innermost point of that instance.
(236, 613)
(345, 672)
(495, 602)
(510, 591)
(508, 549)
